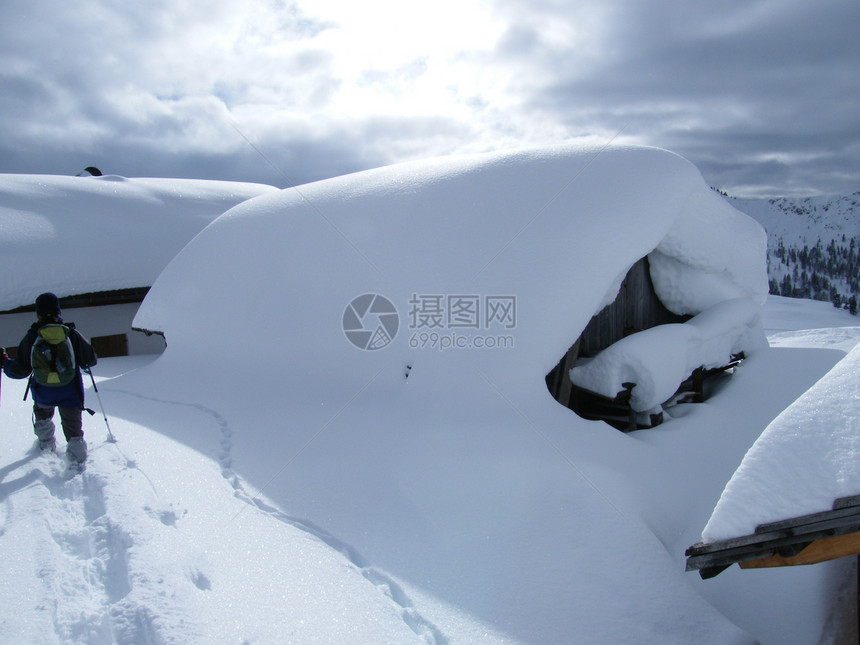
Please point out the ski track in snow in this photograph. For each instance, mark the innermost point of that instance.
(389, 587)
(83, 553)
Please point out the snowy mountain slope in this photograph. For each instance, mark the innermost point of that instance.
(813, 246)
(802, 221)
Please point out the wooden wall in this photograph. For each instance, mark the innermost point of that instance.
(636, 307)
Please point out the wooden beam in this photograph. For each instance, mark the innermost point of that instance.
(92, 299)
(821, 550)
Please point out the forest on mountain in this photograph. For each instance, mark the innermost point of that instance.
(830, 273)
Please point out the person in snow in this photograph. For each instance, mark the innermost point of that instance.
(52, 355)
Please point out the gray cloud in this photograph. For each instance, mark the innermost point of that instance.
(131, 89)
(761, 95)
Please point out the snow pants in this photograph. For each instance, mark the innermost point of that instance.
(71, 419)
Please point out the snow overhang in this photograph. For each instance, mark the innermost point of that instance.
(656, 360)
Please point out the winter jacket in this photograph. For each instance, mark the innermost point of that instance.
(65, 396)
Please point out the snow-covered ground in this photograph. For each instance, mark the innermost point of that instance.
(155, 543)
(273, 482)
(159, 542)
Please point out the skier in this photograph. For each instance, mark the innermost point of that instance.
(52, 355)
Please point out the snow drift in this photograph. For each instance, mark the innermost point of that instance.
(561, 225)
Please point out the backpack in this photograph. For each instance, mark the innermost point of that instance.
(53, 357)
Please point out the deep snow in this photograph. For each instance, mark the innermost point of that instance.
(159, 542)
(273, 483)
(156, 544)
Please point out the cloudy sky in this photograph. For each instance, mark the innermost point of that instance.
(762, 95)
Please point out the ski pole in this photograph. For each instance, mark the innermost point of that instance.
(111, 438)
(3, 358)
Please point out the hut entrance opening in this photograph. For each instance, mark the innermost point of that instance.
(636, 308)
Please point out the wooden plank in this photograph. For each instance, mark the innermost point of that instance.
(840, 546)
(636, 307)
(717, 556)
(845, 502)
(564, 384)
(827, 525)
(808, 522)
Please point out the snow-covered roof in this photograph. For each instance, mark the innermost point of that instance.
(806, 459)
(560, 226)
(76, 235)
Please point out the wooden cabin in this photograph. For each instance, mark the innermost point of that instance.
(108, 239)
(804, 540)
